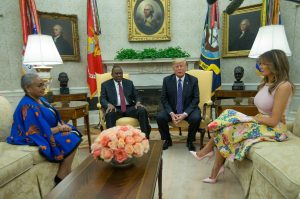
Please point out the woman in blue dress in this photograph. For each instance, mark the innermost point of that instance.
(37, 123)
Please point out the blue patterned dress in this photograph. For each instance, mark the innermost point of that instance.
(32, 126)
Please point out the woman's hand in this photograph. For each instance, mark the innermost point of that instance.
(64, 128)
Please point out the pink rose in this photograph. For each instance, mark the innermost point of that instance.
(136, 132)
(107, 154)
(129, 149)
(121, 143)
(96, 154)
(121, 134)
(138, 138)
(120, 155)
(146, 145)
(138, 150)
(113, 145)
(104, 141)
(123, 128)
(95, 147)
(129, 140)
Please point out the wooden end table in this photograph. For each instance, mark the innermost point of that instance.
(224, 94)
(240, 104)
(72, 110)
(70, 97)
(96, 179)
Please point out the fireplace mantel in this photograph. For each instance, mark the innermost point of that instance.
(147, 73)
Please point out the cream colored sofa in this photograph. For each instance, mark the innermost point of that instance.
(272, 169)
(24, 173)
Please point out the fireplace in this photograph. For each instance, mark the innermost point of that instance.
(150, 98)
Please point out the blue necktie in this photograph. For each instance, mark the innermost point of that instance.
(179, 97)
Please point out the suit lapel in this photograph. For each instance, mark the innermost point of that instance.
(113, 91)
(185, 87)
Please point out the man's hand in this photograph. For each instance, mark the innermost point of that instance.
(110, 108)
(180, 117)
(174, 117)
(138, 104)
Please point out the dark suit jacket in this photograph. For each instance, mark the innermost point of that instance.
(109, 93)
(190, 94)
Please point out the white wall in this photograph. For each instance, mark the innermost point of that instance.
(187, 20)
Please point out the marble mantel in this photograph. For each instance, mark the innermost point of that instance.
(147, 73)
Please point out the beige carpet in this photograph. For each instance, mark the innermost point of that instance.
(154, 135)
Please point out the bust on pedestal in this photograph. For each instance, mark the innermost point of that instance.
(63, 79)
(238, 74)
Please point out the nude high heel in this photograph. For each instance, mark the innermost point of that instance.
(214, 180)
(208, 155)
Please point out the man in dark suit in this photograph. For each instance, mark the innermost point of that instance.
(120, 99)
(179, 98)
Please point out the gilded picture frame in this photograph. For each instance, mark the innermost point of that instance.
(149, 20)
(240, 30)
(64, 31)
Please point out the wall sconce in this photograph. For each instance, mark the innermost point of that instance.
(269, 38)
(41, 52)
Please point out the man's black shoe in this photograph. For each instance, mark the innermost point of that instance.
(167, 143)
(191, 146)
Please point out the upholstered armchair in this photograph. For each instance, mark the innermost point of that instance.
(100, 78)
(205, 103)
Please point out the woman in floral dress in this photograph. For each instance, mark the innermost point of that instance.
(235, 132)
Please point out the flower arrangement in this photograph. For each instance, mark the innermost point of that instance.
(120, 143)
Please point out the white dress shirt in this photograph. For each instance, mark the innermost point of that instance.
(118, 94)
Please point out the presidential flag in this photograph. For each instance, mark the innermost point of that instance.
(210, 55)
(94, 58)
(30, 25)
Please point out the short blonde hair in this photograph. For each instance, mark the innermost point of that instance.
(179, 60)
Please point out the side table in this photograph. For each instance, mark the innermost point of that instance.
(239, 104)
(70, 97)
(72, 110)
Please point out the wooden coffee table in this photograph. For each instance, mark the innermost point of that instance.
(97, 179)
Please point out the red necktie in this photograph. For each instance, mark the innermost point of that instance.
(122, 98)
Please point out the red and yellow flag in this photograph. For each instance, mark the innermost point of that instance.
(94, 58)
(30, 25)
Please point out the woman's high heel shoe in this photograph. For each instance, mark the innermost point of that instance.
(210, 154)
(214, 180)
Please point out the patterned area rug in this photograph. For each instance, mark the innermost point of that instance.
(155, 135)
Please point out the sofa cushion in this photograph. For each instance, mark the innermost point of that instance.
(12, 164)
(32, 150)
(6, 118)
(278, 162)
(296, 126)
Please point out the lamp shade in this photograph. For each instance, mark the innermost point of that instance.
(41, 50)
(268, 38)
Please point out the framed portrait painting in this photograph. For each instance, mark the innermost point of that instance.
(240, 30)
(64, 31)
(148, 20)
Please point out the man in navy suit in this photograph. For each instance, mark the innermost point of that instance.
(120, 99)
(179, 98)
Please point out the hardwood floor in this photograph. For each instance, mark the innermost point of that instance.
(182, 175)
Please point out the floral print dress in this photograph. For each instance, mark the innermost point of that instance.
(236, 132)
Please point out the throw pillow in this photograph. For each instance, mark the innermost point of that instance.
(6, 118)
(296, 128)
